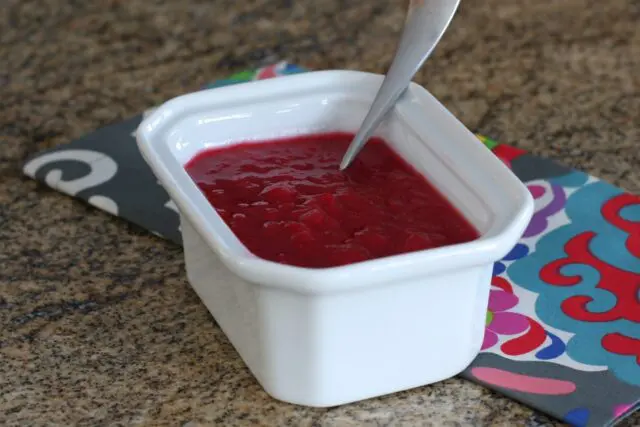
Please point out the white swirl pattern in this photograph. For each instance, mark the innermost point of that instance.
(102, 169)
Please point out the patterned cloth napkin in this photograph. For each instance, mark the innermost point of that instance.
(563, 325)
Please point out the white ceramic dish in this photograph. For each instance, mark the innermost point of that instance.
(324, 337)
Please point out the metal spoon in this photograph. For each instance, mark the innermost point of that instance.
(426, 22)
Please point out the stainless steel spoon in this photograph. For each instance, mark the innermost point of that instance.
(426, 22)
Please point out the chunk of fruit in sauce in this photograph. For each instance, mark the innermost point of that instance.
(287, 201)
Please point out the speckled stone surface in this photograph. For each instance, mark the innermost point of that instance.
(99, 325)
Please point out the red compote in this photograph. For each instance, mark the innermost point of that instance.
(287, 201)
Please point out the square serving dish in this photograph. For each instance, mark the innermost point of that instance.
(324, 337)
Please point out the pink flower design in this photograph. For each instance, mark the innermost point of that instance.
(499, 321)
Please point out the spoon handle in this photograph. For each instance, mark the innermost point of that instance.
(426, 22)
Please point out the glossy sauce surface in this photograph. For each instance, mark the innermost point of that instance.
(287, 201)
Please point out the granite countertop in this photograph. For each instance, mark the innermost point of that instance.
(100, 326)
